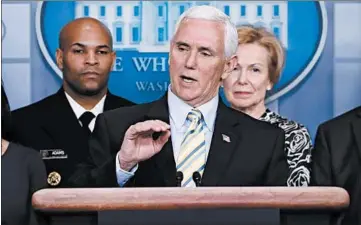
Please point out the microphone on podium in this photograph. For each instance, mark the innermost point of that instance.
(179, 178)
(197, 178)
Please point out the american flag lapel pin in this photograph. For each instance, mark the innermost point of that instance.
(226, 138)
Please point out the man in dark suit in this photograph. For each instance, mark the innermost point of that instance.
(337, 159)
(189, 130)
(59, 125)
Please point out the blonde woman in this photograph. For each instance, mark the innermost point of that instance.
(260, 62)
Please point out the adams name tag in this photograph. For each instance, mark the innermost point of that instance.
(53, 154)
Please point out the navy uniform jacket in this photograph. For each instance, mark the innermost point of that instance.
(51, 127)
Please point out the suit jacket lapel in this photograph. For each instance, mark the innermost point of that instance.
(356, 125)
(165, 158)
(224, 141)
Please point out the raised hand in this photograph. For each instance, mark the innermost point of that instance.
(138, 143)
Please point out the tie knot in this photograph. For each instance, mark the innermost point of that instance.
(195, 114)
(86, 117)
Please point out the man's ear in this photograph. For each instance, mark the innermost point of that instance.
(170, 51)
(114, 57)
(229, 67)
(59, 58)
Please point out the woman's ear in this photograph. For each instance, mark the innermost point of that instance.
(269, 86)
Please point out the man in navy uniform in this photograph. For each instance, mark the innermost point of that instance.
(59, 125)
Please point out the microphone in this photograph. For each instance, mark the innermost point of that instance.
(179, 178)
(197, 178)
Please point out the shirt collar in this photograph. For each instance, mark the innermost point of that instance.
(179, 110)
(79, 110)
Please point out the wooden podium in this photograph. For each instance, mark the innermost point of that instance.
(202, 205)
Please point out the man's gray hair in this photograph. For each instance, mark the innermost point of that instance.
(211, 13)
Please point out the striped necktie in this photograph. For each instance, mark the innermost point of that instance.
(193, 149)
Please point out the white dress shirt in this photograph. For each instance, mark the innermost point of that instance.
(178, 111)
(79, 110)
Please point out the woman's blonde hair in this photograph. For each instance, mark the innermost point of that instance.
(248, 34)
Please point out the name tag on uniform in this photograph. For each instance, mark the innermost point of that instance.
(53, 154)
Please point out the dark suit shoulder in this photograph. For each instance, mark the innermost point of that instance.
(115, 101)
(342, 121)
(252, 123)
(20, 153)
(24, 172)
(134, 111)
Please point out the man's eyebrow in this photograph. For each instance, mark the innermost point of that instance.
(77, 44)
(181, 43)
(83, 45)
(203, 48)
(103, 46)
